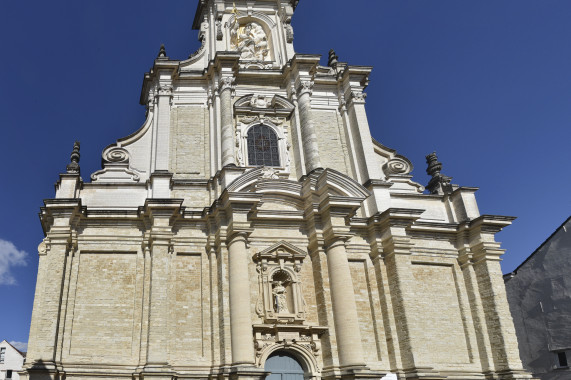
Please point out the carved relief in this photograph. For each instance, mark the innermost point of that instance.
(289, 33)
(305, 87)
(260, 101)
(250, 40)
(226, 83)
(280, 291)
(358, 96)
(397, 165)
(302, 339)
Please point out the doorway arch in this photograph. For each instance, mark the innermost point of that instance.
(283, 366)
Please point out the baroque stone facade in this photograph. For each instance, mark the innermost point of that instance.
(252, 214)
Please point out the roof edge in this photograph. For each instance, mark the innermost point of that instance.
(514, 272)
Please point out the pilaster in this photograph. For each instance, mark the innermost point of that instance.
(58, 217)
(163, 99)
(391, 229)
(161, 215)
(486, 254)
(354, 81)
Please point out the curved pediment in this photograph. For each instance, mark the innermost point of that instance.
(263, 103)
(336, 183)
(266, 180)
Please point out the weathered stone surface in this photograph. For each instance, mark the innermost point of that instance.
(183, 260)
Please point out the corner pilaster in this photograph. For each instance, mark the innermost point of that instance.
(486, 254)
(58, 217)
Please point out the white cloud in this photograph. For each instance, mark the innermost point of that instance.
(21, 346)
(10, 256)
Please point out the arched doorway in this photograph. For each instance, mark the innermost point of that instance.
(283, 366)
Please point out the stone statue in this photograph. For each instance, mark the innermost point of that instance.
(280, 302)
(250, 40)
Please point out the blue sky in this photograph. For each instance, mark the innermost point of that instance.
(484, 83)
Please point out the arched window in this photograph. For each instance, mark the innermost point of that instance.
(263, 149)
(283, 366)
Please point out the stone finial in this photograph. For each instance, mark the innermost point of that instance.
(73, 166)
(162, 52)
(439, 183)
(333, 59)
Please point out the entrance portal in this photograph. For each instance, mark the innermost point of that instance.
(283, 366)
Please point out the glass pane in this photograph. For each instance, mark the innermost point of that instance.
(263, 149)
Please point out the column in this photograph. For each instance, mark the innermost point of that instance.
(240, 320)
(344, 307)
(225, 90)
(308, 137)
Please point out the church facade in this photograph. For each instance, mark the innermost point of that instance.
(253, 227)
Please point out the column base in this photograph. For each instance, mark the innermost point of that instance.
(42, 371)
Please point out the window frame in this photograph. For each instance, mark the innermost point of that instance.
(251, 139)
(280, 131)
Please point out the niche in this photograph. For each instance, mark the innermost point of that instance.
(280, 298)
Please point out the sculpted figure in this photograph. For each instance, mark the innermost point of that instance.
(250, 40)
(280, 301)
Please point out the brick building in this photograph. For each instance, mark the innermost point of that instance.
(252, 225)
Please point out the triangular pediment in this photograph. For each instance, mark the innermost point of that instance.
(281, 249)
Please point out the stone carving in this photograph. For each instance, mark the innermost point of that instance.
(248, 119)
(116, 155)
(304, 87)
(269, 173)
(250, 40)
(219, 34)
(42, 248)
(165, 89)
(226, 83)
(162, 52)
(289, 31)
(73, 166)
(280, 290)
(280, 301)
(260, 101)
(333, 59)
(239, 154)
(203, 29)
(358, 96)
(397, 165)
(439, 183)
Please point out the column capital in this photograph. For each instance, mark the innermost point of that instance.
(305, 86)
(357, 97)
(226, 83)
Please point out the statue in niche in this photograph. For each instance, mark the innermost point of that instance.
(280, 301)
(250, 40)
